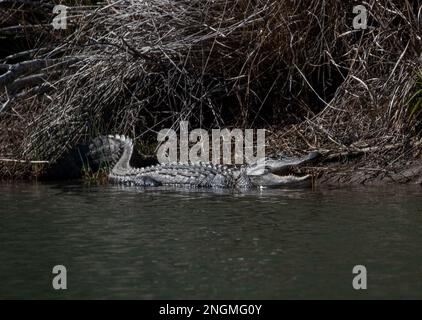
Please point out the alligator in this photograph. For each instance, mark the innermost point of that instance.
(268, 172)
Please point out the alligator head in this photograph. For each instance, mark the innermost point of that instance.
(280, 170)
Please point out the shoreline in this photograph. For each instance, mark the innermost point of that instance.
(358, 174)
(338, 174)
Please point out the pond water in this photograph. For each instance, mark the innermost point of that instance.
(167, 243)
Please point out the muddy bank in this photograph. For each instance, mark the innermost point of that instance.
(374, 165)
(361, 173)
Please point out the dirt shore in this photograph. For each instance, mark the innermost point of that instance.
(360, 173)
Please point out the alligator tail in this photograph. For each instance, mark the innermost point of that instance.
(114, 151)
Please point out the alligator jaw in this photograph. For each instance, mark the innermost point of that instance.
(281, 166)
(280, 172)
(273, 180)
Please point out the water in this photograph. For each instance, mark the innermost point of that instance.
(149, 244)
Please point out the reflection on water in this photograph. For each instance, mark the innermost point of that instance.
(169, 243)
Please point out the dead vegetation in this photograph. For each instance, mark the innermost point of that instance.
(296, 67)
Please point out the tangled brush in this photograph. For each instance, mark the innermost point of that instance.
(295, 67)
